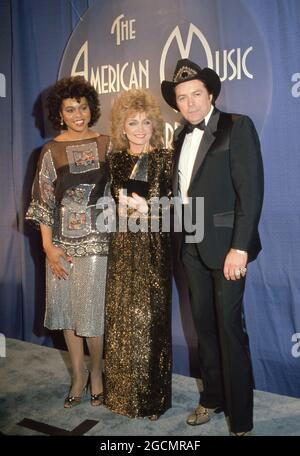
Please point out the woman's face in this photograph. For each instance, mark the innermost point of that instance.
(76, 114)
(138, 128)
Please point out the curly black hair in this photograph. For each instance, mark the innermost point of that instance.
(71, 87)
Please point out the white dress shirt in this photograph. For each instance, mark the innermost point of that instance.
(187, 158)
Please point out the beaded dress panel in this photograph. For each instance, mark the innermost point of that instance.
(70, 179)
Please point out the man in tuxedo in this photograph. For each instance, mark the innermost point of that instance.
(217, 156)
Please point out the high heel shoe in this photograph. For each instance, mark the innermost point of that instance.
(70, 401)
(96, 399)
(154, 417)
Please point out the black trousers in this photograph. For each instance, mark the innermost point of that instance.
(223, 343)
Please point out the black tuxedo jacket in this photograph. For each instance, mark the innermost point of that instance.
(228, 173)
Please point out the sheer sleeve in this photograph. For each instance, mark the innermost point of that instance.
(41, 208)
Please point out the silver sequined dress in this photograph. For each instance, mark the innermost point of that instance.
(70, 180)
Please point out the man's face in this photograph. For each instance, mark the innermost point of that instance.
(193, 100)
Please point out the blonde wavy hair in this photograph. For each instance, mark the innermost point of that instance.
(128, 103)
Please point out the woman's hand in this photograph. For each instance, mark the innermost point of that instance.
(140, 203)
(55, 255)
(134, 202)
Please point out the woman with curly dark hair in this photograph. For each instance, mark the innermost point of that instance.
(138, 357)
(72, 175)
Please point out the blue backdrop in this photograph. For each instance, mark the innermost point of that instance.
(117, 44)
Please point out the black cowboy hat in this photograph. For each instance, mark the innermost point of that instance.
(186, 70)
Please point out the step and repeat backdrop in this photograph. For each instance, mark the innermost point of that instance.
(123, 44)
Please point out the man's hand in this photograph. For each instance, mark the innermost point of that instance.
(235, 264)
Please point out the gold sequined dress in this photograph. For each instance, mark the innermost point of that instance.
(71, 178)
(138, 357)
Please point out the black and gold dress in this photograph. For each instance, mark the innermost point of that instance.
(138, 356)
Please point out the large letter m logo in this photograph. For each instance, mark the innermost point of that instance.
(184, 50)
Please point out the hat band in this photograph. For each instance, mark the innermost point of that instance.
(184, 73)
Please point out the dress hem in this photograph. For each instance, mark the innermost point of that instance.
(72, 329)
(123, 413)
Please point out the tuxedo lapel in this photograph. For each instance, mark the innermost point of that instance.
(208, 138)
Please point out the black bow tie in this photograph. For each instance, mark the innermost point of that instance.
(190, 127)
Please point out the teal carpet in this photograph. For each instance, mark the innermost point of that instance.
(34, 381)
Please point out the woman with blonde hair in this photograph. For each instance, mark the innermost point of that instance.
(138, 299)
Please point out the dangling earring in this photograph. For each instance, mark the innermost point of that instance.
(61, 121)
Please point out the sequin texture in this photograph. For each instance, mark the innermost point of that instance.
(138, 304)
(70, 179)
